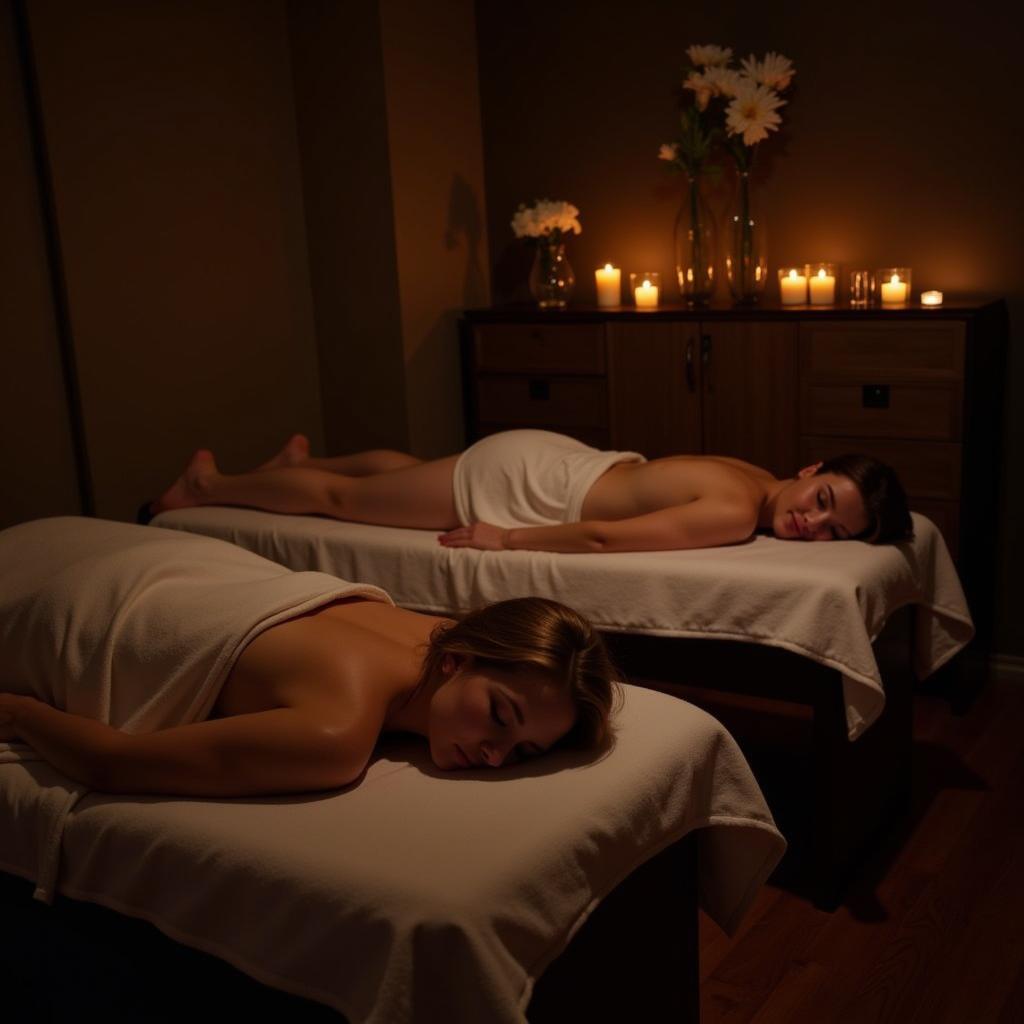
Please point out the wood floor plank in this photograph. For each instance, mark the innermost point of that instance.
(933, 929)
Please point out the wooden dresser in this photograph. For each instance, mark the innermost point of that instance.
(782, 388)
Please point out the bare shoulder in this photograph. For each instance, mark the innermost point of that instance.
(343, 665)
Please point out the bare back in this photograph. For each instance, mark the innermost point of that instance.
(343, 657)
(634, 489)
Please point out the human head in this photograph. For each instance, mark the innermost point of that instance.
(885, 501)
(528, 647)
(849, 497)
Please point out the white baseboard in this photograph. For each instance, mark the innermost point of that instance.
(1009, 667)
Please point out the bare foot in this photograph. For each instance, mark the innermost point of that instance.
(188, 490)
(294, 453)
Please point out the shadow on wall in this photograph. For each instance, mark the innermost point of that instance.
(465, 219)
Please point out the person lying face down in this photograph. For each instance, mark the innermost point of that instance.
(536, 490)
(308, 699)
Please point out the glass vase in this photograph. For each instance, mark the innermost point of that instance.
(551, 276)
(694, 241)
(746, 262)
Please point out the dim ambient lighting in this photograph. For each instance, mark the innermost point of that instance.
(931, 298)
(609, 285)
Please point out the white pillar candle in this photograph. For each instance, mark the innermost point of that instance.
(793, 289)
(646, 295)
(894, 291)
(931, 298)
(609, 286)
(823, 288)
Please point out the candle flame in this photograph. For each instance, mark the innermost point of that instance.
(895, 279)
(646, 284)
(607, 266)
(792, 275)
(821, 272)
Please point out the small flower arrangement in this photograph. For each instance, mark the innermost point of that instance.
(546, 218)
(737, 106)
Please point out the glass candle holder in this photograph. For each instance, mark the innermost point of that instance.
(609, 285)
(821, 283)
(931, 299)
(893, 285)
(793, 286)
(862, 288)
(645, 288)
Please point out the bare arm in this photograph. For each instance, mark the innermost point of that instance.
(704, 523)
(285, 750)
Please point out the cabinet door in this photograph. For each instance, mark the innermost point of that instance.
(750, 393)
(654, 378)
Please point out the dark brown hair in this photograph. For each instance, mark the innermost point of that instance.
(537, 634)
(885, 501)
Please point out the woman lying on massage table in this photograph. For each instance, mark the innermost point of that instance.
(306, 700)
(535, 490)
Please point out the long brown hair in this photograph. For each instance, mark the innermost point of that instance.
(537, 634)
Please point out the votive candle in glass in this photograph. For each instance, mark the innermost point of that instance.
(821, 282)
(931, 298)
(609, 286)
(793, 286)
(645, 288)
(894, 286)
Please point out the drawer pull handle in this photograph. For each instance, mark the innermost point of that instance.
(875, 396)
(540, 390)
(691, 379)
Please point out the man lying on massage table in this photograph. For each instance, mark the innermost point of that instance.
(296, 674)
(539, 491)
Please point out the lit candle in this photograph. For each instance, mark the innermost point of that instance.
(931, 298)
(823, 288)
(793, 288)
(609, 286)
(894, 291)
(646, 295)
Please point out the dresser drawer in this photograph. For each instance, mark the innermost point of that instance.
(927, 469)
(539, 348)
(908, 411)
(873, 352)
(547, 402)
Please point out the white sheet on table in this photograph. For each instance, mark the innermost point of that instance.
(824, 601)
(449, 892)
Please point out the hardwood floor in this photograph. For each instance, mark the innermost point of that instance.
(932, 930)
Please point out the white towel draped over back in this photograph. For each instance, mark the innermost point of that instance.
(135, 626)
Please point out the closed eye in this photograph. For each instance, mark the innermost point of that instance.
(496, 715)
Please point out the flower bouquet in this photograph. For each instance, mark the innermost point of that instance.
(733, 109)
(546, 224)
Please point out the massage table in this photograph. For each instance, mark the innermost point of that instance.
(412, 895)
(838, 630)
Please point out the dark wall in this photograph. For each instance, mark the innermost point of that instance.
(38, 475)
(899, 147)
(170, 133)
(338, 67)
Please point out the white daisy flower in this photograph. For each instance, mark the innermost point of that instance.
(723, 81)
(752, 112)
(702, 88)
(709, 56)
(668, 151)
(775, 71)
